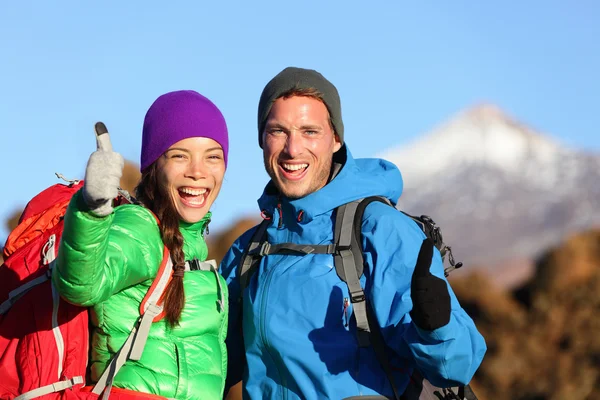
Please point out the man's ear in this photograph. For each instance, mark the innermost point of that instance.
(261, 136)
(338, 143)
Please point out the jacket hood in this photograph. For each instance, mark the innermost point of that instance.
(357, 179)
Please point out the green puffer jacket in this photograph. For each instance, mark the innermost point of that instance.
(108, 264)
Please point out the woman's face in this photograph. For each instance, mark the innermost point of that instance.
(191, 171)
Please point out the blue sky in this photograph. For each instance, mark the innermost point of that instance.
(400, 68)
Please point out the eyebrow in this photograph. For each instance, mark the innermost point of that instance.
(311, 127)
(273, 125)
(177, 148)
(276, 125)
(187, 150)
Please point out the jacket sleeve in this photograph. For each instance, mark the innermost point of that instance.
(235, 344)
(447, 356)
(100, 256)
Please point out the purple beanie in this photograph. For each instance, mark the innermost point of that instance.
(179, 115)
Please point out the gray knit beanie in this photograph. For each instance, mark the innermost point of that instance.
(300, 78)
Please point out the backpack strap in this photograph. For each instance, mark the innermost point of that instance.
(259, 247)
(251, 257)
(348, 260)
(159, 285)
(22, 290)
(267, 248)
(151, 309)
(49, 389)
(349, 265)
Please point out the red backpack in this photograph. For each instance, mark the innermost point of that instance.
(44, 340)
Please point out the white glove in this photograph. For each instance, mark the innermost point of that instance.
(102, 175)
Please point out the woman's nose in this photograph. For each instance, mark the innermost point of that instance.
(196, 170)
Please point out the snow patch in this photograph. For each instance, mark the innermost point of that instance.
(483, 135)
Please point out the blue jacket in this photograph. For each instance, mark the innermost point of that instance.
(298, 342)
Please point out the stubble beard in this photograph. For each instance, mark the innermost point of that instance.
(318, 180)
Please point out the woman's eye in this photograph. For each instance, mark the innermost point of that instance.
(178, 156)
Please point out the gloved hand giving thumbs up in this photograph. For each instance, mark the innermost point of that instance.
(431, 300)
(102, 174)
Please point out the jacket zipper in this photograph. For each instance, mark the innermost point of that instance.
(263, 329)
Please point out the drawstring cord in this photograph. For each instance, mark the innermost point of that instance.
(220, 300)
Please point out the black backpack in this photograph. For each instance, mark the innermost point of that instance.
(349, 265)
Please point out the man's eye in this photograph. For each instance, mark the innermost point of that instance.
(311, 132)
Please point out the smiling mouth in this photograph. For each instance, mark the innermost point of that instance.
(193, 197)
(293, 170)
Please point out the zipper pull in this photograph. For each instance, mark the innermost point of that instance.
(280, 225)
(346, 304)
(206, 231)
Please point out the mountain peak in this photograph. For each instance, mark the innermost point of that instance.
(484, 115)
(498, 188)
(486, 112)
(482, 135)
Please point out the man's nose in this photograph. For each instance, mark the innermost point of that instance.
(293, 145)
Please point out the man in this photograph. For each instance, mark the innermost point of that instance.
(299, 339)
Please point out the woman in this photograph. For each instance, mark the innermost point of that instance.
(109, 256)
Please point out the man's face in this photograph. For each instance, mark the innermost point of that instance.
(298, 145)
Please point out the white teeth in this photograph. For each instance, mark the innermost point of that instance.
(193, 192)
(295, 167)
(196, 201)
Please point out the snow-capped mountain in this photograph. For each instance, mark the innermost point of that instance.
(498, 189)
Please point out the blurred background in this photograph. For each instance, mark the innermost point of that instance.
(491, 111)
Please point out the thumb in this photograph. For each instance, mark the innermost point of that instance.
(424, 259)
(102, 137)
